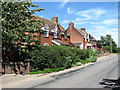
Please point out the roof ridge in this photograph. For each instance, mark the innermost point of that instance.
(45, 19)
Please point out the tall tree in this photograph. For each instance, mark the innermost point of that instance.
(18, 26)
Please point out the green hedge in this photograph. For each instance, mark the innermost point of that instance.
(54, 57)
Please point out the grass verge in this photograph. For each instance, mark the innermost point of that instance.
(47, 70)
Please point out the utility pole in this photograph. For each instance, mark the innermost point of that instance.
(111, 46)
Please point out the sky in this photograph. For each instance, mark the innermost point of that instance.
(98, 18)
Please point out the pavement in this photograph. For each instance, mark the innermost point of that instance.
(15, 81)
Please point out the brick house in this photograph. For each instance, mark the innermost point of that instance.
(53, 33)
(80, 38)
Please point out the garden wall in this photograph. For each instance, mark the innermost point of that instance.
(16, 67)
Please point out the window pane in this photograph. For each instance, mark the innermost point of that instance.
(45, 33)
(55, 35)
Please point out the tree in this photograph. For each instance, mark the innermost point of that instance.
(106, 42)
(18, 28)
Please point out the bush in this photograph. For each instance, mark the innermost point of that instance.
(108, 49)
(92, 55)
(54, 57)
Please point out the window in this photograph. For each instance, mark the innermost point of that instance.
(85, 37)
(45, 33)
(55, 35)
(65, 37)
(58, 35)
(46, 44)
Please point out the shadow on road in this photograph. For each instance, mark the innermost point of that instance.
(111, 83)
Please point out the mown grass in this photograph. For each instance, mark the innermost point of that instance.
(47, 70)
(116, 53)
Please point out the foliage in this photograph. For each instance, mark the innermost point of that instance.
(92, 55)
(106, 43)
(116, 50)
(17, 20)
(54, 57)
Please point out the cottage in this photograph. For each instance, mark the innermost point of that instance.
(53, 33)
(80, 38)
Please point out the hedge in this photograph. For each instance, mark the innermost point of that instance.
(54, 57)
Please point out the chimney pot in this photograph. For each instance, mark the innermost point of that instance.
(83, 29)
(71, 25)
(54, 19)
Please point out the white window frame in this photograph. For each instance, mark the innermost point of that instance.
(46, 30)
(85, 37)
(55, 35)
(46, 35)
(81, 46)
(46, 44)
(88, 38)
(55, 32)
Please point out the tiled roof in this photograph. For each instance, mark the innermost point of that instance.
(84, 32)
(50, 23)
(61, 28)
(80, 31)
(61, 42)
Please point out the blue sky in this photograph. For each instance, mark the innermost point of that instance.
(99, 18)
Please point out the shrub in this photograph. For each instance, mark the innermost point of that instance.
(54, 57)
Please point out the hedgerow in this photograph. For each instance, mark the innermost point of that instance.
(54, 57)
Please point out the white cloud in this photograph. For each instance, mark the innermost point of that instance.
(99, 12)
(81, 22)
(70, 11)
(100, 27)
(80, 19)
(94, 22)
(103, 31)
(76, 21)
(87, 14)
(91, 13)
(106, 22)
(110, 21)
(64, 3)
(65, 22)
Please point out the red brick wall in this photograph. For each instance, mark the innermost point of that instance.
(16, 67)
(75, 36)
(67, 40)
(46, 39)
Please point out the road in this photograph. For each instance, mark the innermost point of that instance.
(86, 77)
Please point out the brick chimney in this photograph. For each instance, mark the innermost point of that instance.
(54, 19)
(83, 29)
(71, 25)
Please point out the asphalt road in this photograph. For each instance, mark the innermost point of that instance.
(86, 77)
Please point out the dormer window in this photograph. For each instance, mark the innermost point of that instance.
(45, 33)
